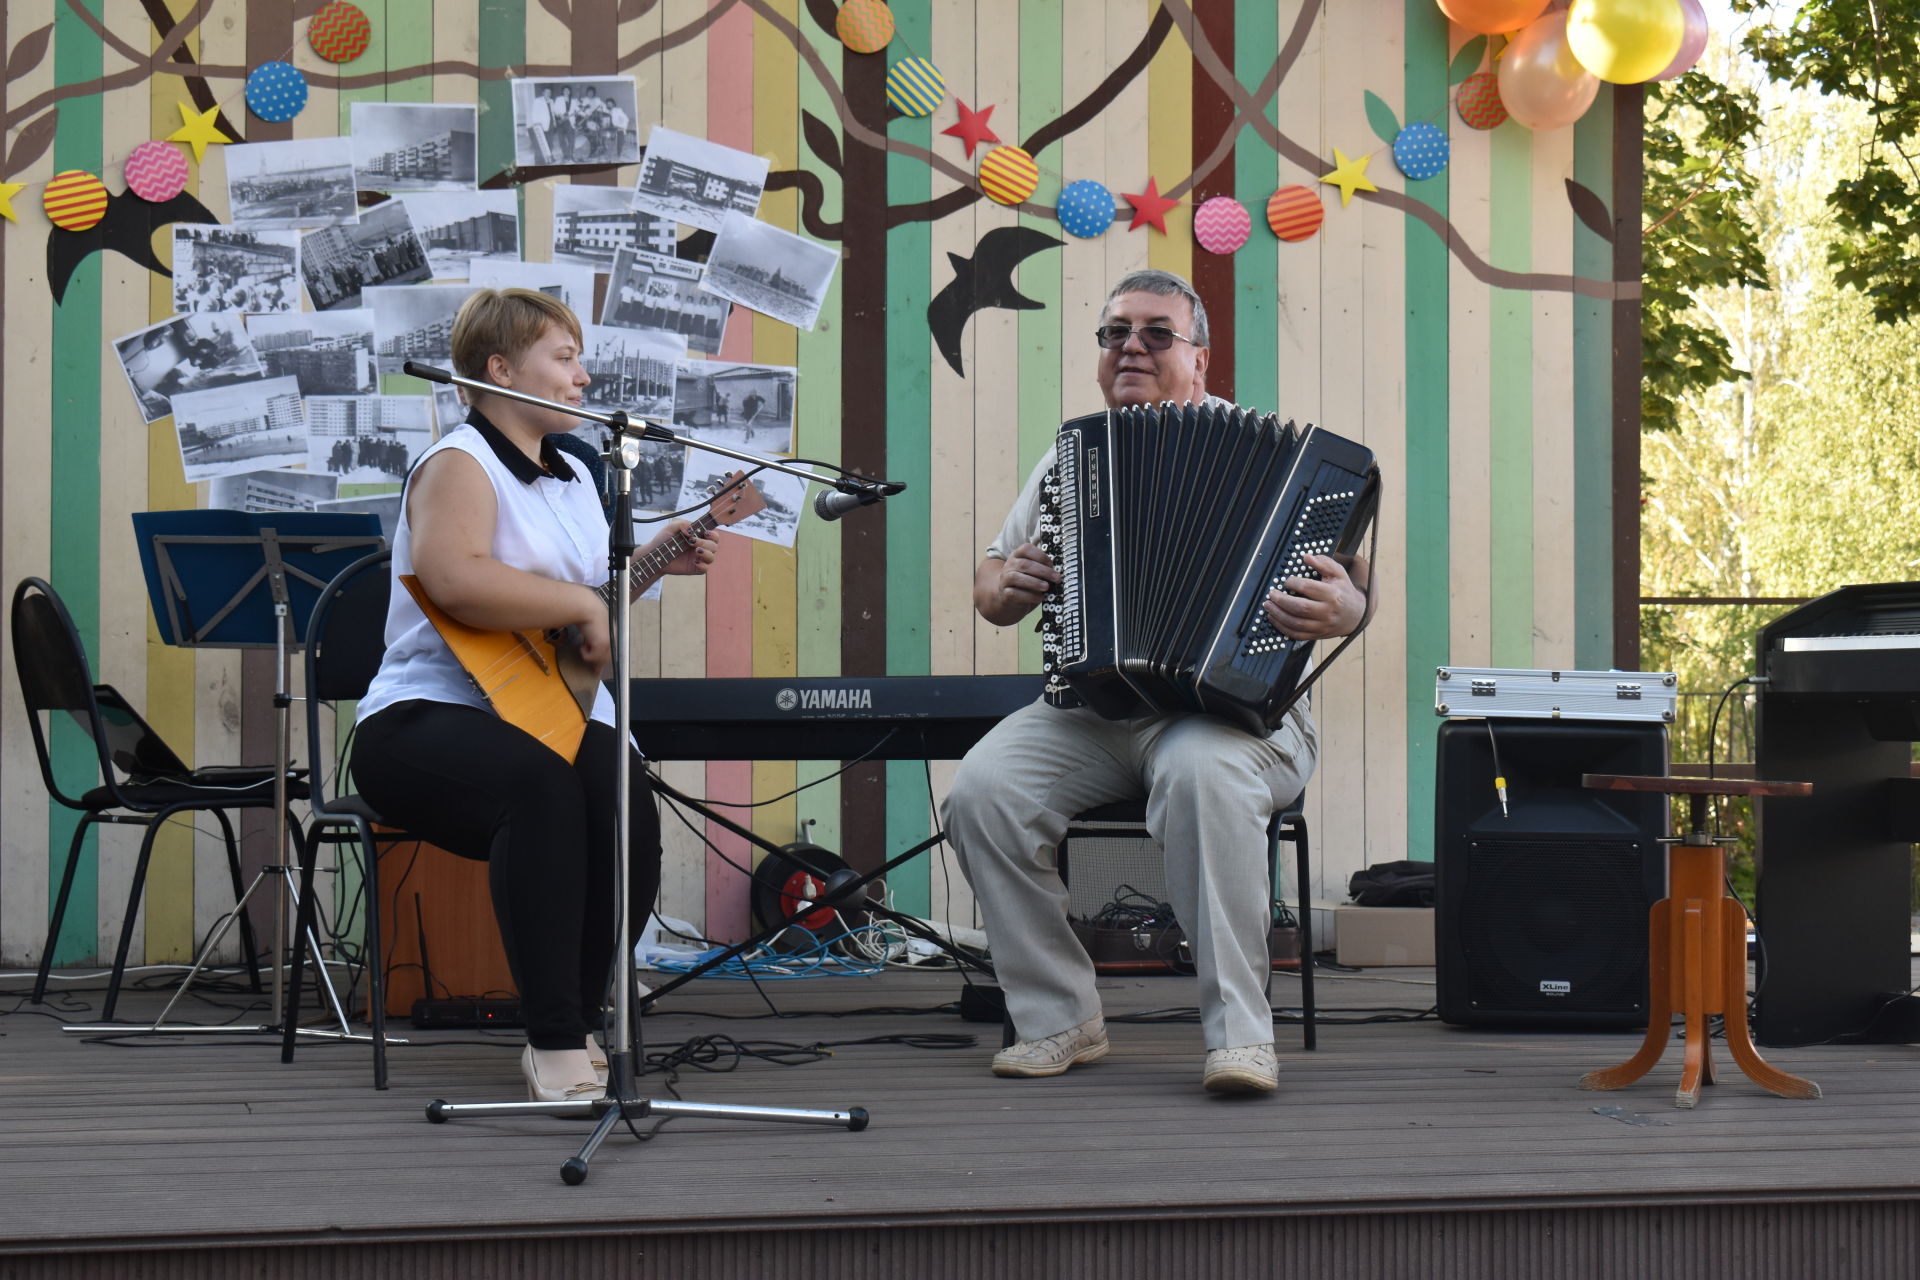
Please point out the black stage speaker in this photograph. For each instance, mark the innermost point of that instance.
(1541, 911)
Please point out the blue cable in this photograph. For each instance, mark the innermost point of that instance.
(817, 961)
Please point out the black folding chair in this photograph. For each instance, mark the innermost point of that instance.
(346, 639)
(142, 781)
(1288, 825)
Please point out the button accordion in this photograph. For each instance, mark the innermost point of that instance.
(1168, 525)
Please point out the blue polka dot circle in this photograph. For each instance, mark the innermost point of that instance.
(1420, 150)
(276, 91)
(1085, 209)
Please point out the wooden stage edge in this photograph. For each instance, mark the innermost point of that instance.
(1398, 1148)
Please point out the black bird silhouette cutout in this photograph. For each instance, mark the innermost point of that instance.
(984, 280)
(127, 229)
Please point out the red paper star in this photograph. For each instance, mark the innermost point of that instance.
(1150, 206)
(973, 128)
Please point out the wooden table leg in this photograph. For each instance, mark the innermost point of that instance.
(1693, 1005)
(1739, 1040)
(1659, 1008)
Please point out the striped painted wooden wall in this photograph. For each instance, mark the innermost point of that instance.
(1464, 327)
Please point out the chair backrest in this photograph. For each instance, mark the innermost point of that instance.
(346, 639)
(55, 675)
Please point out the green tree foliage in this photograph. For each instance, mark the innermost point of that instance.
(1797, 476)
(1864, 51)
(1697, 193)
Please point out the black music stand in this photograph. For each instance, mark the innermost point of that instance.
(236, 580)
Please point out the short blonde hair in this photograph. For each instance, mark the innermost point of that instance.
(504, 322)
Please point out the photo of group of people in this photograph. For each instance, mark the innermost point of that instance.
(218, 268)
(307, 182)
(381, 248)
(571, 120)
(367, 439)
(743, 405)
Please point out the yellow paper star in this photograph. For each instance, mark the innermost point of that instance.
(1350, 175)
(199, 129)
(8, 190)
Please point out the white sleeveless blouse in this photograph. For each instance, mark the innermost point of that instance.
(549, 526)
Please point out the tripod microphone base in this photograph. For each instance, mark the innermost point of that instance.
(854, 1119)
(195, 1028)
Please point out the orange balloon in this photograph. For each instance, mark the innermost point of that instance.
(1542, 84)
(1490, 17)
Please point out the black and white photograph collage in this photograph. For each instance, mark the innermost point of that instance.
(240, 269)
(569, 120)
(592, 224)
(697, 182)
(655, 291)
(307, 182)
(345, 257)
(459, 228)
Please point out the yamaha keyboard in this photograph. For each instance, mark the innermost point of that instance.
(1840, 708)
(822, 718)
(1859, 641)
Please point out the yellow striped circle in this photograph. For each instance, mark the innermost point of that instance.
(1008, 175)
(75, 200)
(915, 86)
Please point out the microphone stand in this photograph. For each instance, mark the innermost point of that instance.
(621, 1103)
(864, 488)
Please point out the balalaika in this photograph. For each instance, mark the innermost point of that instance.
(1168, 525)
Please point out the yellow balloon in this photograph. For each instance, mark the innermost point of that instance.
(1625, 41)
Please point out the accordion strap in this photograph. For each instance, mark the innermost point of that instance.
(1373, 579)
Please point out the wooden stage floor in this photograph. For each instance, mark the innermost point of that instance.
(187, 1147)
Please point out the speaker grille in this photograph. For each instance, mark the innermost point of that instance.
(1098, 864)
(1556, 925)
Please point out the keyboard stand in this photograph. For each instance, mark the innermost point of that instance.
(844, 890)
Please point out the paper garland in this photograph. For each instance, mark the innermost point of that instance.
(156, 171)
(1085, 209)
(1221, 225)
(75, 200)
(1008, 175)
(1478, 101)
(1295, 213)
(340, 31)
(864, 26)
(915, 87)
(1420, 150)
(276, 91)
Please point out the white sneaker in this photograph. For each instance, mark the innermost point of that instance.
(1052, 1055)
(597, 1059)
(1248, 1069)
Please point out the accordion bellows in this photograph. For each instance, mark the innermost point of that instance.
(1169, 524)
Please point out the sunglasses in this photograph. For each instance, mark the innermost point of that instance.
(1154, 337)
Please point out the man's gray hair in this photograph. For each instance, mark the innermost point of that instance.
(1167, 285)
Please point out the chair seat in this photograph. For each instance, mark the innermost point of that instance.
(202, 787)
(346, 808)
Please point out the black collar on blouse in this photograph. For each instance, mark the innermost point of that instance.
(524, 469)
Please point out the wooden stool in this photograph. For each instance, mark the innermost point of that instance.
(1697, 940)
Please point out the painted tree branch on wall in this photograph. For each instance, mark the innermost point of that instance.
(170, 57)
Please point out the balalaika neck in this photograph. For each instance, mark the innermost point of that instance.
(646, 568)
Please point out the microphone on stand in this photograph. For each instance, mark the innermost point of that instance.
(831, 504)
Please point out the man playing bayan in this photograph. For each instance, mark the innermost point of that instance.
(1211, 787)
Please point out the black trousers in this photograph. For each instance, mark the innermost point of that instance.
(468, 781)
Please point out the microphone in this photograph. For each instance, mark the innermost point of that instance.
(426, 371)
(831, 504)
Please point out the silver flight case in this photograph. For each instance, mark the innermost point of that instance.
(1495, 692)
